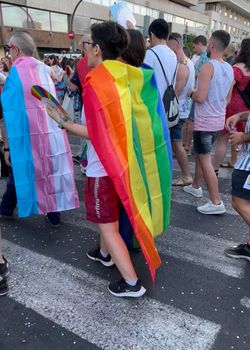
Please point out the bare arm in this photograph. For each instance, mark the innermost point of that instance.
(76, 129)
(234, 119)
(229, 95)
(204, 79)
(72, 87)
(181, 79)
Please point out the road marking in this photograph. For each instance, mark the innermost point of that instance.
(80, 302)
(180, 197)
(245, 302)
(200, 249)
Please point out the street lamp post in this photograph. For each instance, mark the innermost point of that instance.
(73, 42)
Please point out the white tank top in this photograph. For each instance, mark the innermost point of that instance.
(184, 99)
(210, 115)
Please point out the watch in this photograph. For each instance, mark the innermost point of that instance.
(60, 123)
(5, 149)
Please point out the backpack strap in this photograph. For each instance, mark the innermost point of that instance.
(172, 82)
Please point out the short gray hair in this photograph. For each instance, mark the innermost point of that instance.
(24, 42)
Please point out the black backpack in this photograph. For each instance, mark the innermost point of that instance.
(170, 100)
(245, 94)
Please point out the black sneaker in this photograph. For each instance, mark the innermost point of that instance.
(96, 255)
(4, 268)
(241, 251)
(54, 219)
(4, 288)
(123, 289)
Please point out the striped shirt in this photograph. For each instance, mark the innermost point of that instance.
(243, 162)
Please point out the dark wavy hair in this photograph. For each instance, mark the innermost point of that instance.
(244, 54)
(135, 52)
(111, 37)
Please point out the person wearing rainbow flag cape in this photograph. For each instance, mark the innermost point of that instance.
(129, 155)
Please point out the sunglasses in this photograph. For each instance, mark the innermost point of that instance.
(7, 47)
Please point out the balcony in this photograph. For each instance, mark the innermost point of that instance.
(187, 3)
(240, 6)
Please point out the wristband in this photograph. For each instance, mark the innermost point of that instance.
(6, 149)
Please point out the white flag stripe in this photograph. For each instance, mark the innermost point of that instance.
(80, 303)
(200, 249)
(245, 302)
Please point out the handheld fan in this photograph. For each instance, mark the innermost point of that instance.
(45, 97)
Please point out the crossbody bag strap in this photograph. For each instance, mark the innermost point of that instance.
(174, 74)
(161, 66)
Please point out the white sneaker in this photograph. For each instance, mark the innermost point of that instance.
(196, 192)
(212, 209)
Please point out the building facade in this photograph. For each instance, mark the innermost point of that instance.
(230, 15)
(50, 21)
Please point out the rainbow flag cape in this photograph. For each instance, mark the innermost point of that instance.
(40, 152)
(127, 127)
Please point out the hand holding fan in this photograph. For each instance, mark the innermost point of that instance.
(46, 98)
(122, 15)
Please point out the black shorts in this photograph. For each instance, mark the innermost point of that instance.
(203, 141)
(239, 178)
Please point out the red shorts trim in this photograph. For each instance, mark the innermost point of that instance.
(101, 200)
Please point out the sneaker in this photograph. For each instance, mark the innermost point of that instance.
(54, 219)
(4, 288)
(123, 289)
(240, 251)
(96, 255)
(212, 209)
(196, 192)
(4, 268)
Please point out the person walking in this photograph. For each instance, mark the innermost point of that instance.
(241, 180)
(214, 89)
(41, 177)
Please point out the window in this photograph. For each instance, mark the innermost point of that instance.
(178, 20)
(38, 19)
(14, 16)
(190, 23)
(168, 18)
(59, 22)
(214, 25)
(210, 7)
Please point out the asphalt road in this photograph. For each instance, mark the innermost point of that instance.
(58, 298)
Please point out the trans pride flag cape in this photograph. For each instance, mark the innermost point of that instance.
(127, 127)
(40, 152)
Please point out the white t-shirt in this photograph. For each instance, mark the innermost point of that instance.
(94, 166)
(2, 78)
(169, 63)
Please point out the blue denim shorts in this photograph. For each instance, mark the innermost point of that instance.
(203, 141)
(176, 132)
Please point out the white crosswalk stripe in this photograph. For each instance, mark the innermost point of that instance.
(68, 296)
(201, 249)
(79, 301)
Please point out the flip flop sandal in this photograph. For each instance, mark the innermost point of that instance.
(180, 182)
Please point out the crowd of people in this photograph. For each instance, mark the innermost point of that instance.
(212, 88)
